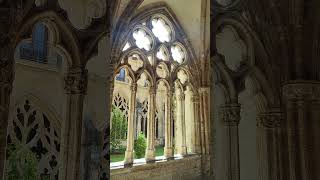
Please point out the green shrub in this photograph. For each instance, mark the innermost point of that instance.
(21, 164)
(140, 145)
(118, 129)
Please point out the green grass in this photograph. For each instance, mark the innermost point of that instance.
(120, 157)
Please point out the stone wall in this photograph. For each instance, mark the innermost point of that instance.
(188, 168)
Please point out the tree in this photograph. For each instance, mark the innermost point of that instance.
(118, 128)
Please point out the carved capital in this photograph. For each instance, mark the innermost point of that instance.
(76, 81)
(133, 87)
(195, 99)
(230, 114)
(269, 120)
(302, 90)
(153, 90)
(180, 97)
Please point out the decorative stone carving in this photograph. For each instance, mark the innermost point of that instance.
(163, 53)
(162, 71)
(269, 120)
(230, 114)
(135, 62)
(182, 76)
(302, 90)
(36, 130)
(143, 81)
(76, 81)
(133, 87)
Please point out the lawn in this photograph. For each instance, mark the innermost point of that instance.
(120, 157)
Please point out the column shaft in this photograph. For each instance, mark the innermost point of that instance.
(182, 149)
(76, 86)
(230, 115)
(150, 151)
(129, 155)
(168, 149)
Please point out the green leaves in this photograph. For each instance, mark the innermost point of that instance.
(140, 145)
(118, 128)
(21, 164)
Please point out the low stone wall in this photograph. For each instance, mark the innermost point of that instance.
(188, 168)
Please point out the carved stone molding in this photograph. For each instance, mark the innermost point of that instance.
(180, 97)
(302, 90)
(230, 114)
(134, 87)
(153, 90)
(195, 99)
(269, 120)
(76, 81)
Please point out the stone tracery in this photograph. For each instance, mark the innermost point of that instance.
(152, 68)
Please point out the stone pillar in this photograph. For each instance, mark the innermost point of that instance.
(150, 151)
(268, 124)
(129, 155)
(75, 85)
(182, 149)
(196, 105)
(6, 79)
(189, 120)
(168, 147)
(302, 102)
(230, 115)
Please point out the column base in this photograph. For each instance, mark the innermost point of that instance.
(183, 150)
(128, 158)
(168, 152)
(150, 155)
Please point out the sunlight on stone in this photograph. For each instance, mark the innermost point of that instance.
(177, 53)
(143, 40)
(162, 54)
(126, 47)
(135, 62)
(150, 59)
(161, 30)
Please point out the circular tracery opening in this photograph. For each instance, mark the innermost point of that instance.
(156, 38)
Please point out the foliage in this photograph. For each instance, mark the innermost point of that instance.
(140, 145)
(118, 129)
(21, 164)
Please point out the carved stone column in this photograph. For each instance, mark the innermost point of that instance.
(168, 147)
(75, 85)
(182, 149)
(129, 155)
(302, 100)
(150, 151)
(268, 124)
(196, 113)
(6, 79)
(190, 121)
(230, 115)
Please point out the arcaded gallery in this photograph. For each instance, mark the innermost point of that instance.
(159, 90)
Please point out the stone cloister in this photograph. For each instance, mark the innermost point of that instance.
(229, 88)
(59, 62)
